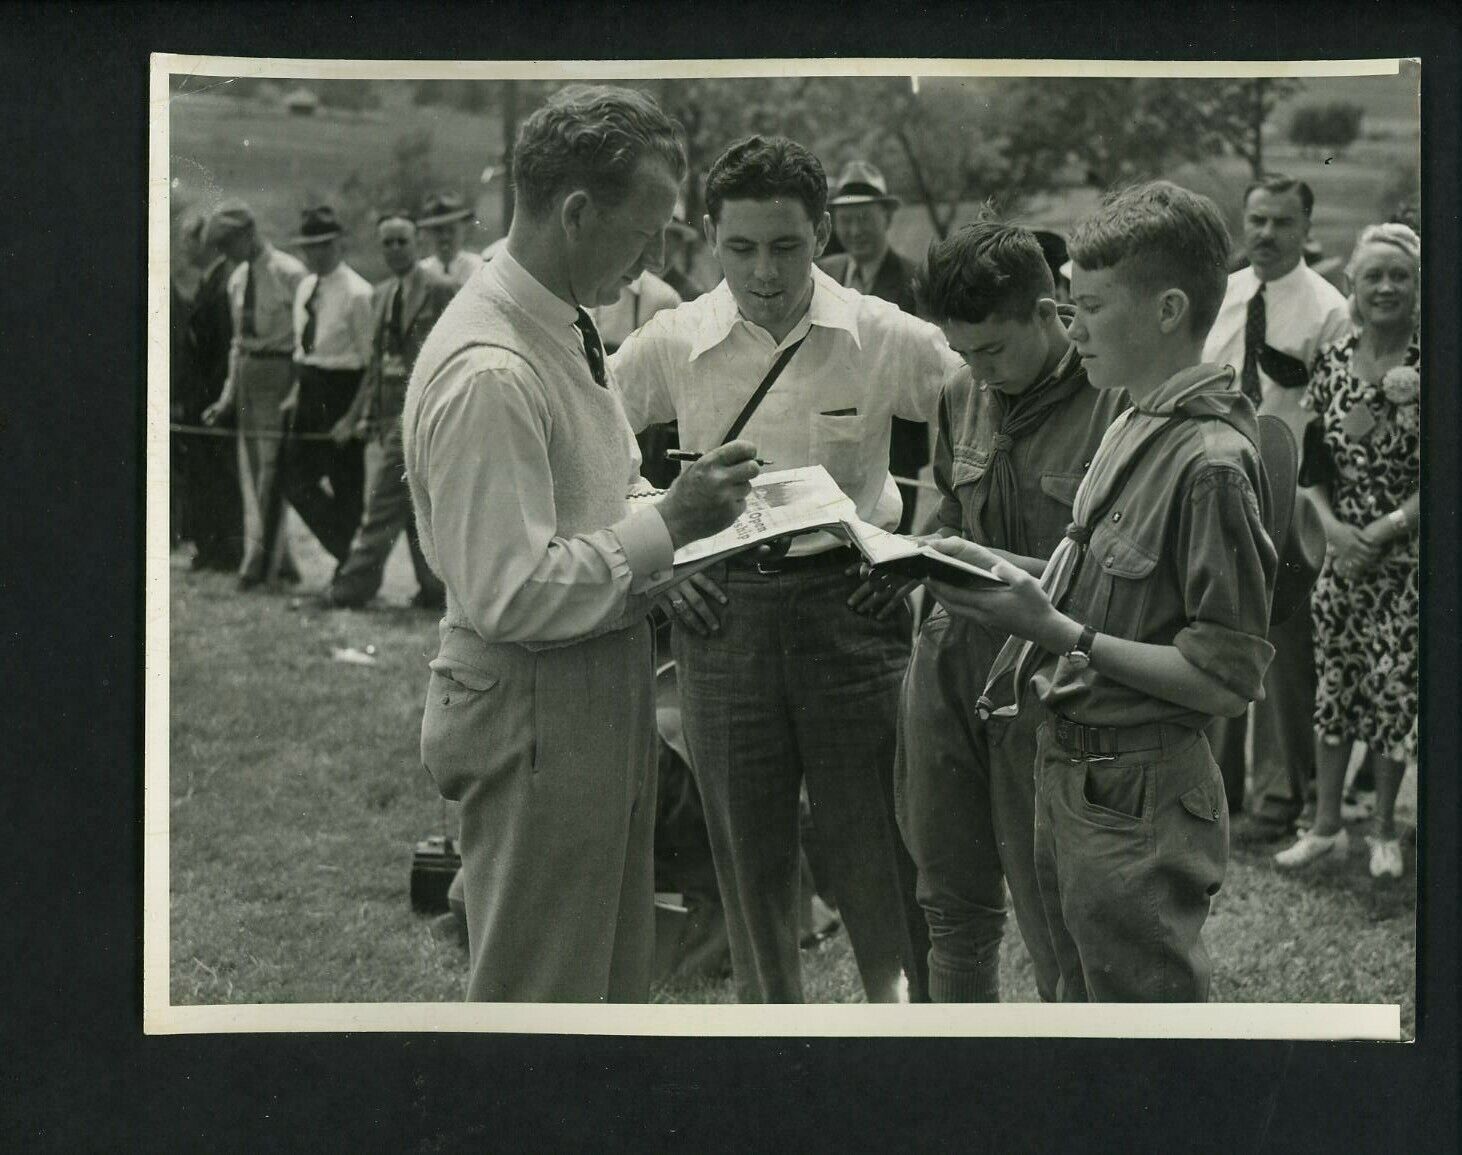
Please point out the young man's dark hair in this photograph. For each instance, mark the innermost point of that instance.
(983, 269)
(1276, 182)
(763, 167)
(1169, 235)
(591, 137)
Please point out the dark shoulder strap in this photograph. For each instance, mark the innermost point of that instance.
(761, 390)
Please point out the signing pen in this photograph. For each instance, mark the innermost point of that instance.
(685, 455)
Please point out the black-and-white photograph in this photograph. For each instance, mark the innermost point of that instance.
(450, 365)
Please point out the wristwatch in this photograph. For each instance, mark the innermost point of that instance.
(1079, 656)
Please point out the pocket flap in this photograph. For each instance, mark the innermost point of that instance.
(1122, 557)
(1061, 486)
(1202, 802)
(464, 675)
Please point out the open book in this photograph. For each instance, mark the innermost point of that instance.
(790, 502)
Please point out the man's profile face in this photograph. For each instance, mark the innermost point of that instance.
(610, 246)
(1116, 327)
(447, 240)
(766, 249)
(1275, 229)
(863, 230)
(237, 245)
(398, 245)
(1008, 354)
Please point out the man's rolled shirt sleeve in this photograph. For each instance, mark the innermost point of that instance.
(494, 523)
(1231, 566)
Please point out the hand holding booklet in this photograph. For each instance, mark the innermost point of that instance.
(791, 502)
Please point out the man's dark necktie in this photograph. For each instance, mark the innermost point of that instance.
(247, 327)
(593, 349)
(1255, 331)
(394, 336)
(307, 338)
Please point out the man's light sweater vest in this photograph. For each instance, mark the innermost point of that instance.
(590, 445)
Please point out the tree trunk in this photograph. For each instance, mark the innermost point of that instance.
(940, 225)
(1256, 128)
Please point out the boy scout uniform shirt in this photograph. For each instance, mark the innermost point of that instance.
(864, 363)
(1178, 557)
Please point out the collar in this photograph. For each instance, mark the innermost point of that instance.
(1186, 385)
(867, 274)
(832, 306)
(530, 293)
(1290, 280)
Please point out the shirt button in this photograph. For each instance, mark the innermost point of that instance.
(1110, 559)
(1117, 516)
(1086, 465)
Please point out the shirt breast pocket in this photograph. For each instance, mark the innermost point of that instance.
(1122, 590)
(1051, 512)
(838, 445)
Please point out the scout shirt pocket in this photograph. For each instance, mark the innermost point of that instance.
(1050, 512)
(1122, 583)
(837, 443)
(478, 720)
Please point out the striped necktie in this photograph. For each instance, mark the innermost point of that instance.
(593, 348)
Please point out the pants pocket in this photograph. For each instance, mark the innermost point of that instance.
(1114, 795)
(475, 725)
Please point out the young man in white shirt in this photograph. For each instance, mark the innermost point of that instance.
(1276, 315)
(333, 327)
(790, 668)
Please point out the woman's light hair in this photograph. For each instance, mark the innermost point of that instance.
(1399, 236)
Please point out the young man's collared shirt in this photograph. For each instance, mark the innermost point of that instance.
(344, 325)
(1303, 312)
(277, 276)
(640, 300)
(1179, 556)
(863, 363)
(462, 266)
(485, 423)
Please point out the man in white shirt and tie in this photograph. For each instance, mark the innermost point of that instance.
(444, 220)
(1276, 315)
(781, 676)
(333, 327)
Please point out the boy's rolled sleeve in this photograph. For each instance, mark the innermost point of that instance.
(1231, 565)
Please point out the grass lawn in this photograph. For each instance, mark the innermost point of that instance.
(296, 796)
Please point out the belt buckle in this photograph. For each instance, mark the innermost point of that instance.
(767, 570)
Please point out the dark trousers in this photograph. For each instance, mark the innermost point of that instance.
(796, 685)
(1284, 730)
(965, 793)
(324, 397)
(1129, 854)
(387, 515)
(211, 513)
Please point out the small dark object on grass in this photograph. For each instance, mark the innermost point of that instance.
(433, 863)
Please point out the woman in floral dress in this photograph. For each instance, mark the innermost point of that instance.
(1365, 392)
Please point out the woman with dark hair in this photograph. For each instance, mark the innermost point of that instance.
(1362, 458)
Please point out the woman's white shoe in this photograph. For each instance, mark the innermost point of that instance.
(1312, 847)
(1386, 861)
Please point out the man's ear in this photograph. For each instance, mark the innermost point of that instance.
(708, 226)
(575, 212)
(822, 233)
(1046, 310)
(1173, 307)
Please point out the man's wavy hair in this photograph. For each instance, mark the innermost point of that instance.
(762, 168)
(591, 137)
(1167, 237)
(986, 269)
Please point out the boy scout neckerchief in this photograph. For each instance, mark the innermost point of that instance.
(1201, 391)
(995, 502)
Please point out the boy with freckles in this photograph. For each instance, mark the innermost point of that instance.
(1150, 618)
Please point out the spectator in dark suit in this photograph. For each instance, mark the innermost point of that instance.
(862, 210)
(404, 307)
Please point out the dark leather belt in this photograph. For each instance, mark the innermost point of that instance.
(1109, 741)
(839, 557)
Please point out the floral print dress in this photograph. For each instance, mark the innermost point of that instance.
(1365, 626)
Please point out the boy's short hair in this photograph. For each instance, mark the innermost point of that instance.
(982, 270)
(1277, 182)
(1171, 238)
(761, 168)
(591, 137)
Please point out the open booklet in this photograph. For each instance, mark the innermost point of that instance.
(791, 502)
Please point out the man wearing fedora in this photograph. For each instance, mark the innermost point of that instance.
(261, 292)
(862, 209)
(404, 306)
(444, 219)
(333, 329)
